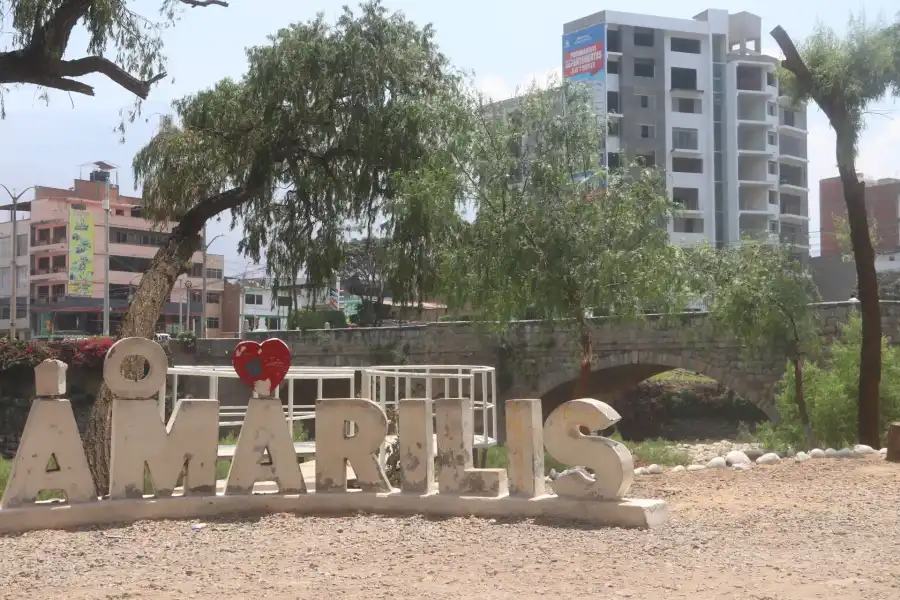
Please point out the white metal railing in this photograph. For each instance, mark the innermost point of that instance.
(231, 415)
(387, 385)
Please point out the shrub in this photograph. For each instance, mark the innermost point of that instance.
(831, 388)
(27, 354)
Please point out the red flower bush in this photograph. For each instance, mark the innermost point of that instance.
(81, 353)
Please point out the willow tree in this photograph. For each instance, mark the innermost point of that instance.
(323, 119)
(844, 77)
(41, 32)
(763, 296)
(552, 237)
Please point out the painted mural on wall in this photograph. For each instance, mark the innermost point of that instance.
(81, 253)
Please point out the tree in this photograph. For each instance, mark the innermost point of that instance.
(761, 294)
(323, 119)
(843, 77)
(41, 31)
(365, 272)
(550, 237)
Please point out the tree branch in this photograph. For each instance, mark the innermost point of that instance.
(201, 3)
(794, 63)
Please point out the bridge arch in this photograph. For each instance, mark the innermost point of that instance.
(617, 371)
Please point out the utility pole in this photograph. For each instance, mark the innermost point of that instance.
(203, 292)
(106, 259)
(187, 294)
(14, 271)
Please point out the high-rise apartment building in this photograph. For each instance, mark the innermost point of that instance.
(697, 98)
(61, 255)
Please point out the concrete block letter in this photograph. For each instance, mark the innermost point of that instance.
(334, 449)
(50, 433)
(147, 386)
(188, 444)
(611, 461)
(525, 446)
(265, 429)
(456, 431)
(417, 445)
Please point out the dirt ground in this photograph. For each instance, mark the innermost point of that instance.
(826, 529)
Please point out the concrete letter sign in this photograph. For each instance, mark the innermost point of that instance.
(525, 448)
(417, 445)
(50, 433)
(262, 366)
(334, 449)
(139, 437)
(454, 441)
(610, 460)
(124, 387)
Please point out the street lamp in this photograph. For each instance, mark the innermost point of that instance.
(187, 293)
(13, 298)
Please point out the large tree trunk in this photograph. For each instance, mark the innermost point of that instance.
(800, 399)
(156, 285)
(867, 283)
(584, 373)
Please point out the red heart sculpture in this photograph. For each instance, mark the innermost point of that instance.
(262, 366)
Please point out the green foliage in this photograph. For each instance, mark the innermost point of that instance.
(316, 319)
(305, 147)
(856, 70)
(761, 294)
(832, 386)
(550, 239)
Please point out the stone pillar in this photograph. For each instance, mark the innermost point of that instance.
(525, 448)
(454, 440)
(50, 434)
(417, 445)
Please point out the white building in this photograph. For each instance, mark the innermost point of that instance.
(6, 275)
(260, 309)
(697, 98)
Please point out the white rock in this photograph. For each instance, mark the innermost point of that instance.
(736, 457)
(696, 468)
(741, 467)
(641, 471)
(717, 463)
(846, 453)
(802, 456)
(883, 452)
(678, 469)
(817, 453)
(830, 452)
(768, 459)
(654, 469)
(863, 449)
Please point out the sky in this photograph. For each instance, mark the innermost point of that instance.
(506, 44)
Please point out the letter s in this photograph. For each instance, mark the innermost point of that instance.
(611, 461)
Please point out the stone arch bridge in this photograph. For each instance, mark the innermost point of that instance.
(541, 359)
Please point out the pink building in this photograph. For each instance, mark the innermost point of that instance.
(67, 257)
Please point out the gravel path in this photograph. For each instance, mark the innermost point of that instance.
(826, 529)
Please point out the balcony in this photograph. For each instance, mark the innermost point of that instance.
(750, 79)
(794, 208)
(751, 110)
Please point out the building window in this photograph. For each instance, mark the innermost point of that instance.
(196, 296)
(612, 102)
(284, 300)
(213, 298)
(771, 109)
(687, 165)
(136, 212)
(772, 138)
(612, 128)
(685, 45)
(647, 132)
(770, 79)
(613, 160)
(646, 160)
(687, 225)
(644, 67)
(644, 101)
(686, 105)
(120, 212)
(272, 323)
(22, 244)
(213, 273)
(643, 36)
(773, 197)
(5, 280)
(687, 198)
(613, 40)
(58, 290)
(685, 139)
(773, 226)
(612, 67)
(684, 79)
(253, 299)
(789, 119)
(773, 167)
(212, 322)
